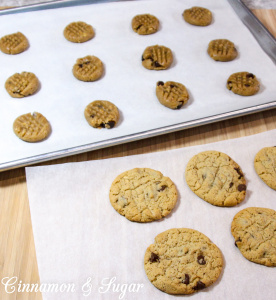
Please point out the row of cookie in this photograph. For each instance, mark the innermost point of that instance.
(184, 261)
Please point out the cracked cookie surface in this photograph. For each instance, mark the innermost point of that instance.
(222, 50)
(254, 231)
(198, 16)
(157, 58)
(145, 24)
(216, 178)
(88, 68)
(14, 43)
(78, 32)
(143, 195)
(172, 94)
(22, 84)
(265, 166)
(243, 83)
(101, 114)
(182, 261)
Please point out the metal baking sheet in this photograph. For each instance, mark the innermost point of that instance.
(264, 38)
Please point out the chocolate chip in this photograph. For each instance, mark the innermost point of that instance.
(180, 105)
(154, 257)
(160, 83)
(110, 124)
(186, 280)
(247, 84)
(199, 286)
(156, 64)
(138, 27)
(172, 86)
(201, 260)
(92, 116)
(238, 240)
(241, 187)
(143, 58)
(162, 188)
(102, 125)
(80, 65)
(239, 172)
(250, 75)
(231, 184)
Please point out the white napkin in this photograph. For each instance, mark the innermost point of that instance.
(81, 239)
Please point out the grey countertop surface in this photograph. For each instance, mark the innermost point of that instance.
(252, 4)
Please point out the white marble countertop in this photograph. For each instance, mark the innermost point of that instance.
(252, 4)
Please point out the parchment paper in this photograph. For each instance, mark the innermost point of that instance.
(62, 98)
(78, 235)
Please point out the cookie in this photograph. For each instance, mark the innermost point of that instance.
(216, 178)
(32, 127)
(157, 58)
(243, 83)
(143, 195)
(145, 24)
(78, 32)
(182, 261)
(14, 43)
(172, 94)
(101, 114)
(254, 231)
(22, 84)
(88, 68)
(222, 50)
(265, 166)
(198, 16)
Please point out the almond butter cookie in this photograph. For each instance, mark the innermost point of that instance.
(243, 83)
(216, 178)
(14, 43)
(182, 261)
(222, 50)
(254, 231)
(157, 58)
(145, 24)
(78, 32)
(198, 16)
(88, 68)
(143, 195)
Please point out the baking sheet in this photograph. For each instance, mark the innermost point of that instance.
(80, 239)
(62, 98)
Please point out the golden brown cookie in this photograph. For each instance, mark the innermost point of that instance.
(222, 50)
(243, 83)
(172, 94)
(88, 68)
(254, 231)
(157, 58)
(22, 84)
(265, 166)
(14, 43)
(216, 178)
(32, 127)
(145, 24)
(143, 195)
(101, 114)
(198, 16)
(182, 261)
(78, 32)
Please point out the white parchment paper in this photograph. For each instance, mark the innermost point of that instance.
(62, 98)
(80, 239)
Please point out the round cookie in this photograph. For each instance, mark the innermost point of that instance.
(88, 68)
(22, 84)
(157, 58)
(216, 178)
(198, 16)
(222, 50)
(243, 83)
(78, 32)
(14, 43)
(143, 195)
(265, 166)
(254, 231)
(31, 127)
(172, 94)
(145, 24)
(101, 114)
(182, 261)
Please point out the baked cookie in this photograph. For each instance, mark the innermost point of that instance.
(101, 114)
(216, 178)
(198, 16)
(22, 84)
(31, 127)
(14, 43)
(78, 32)
(88, 68)
(265, 166)
(243, 83)
(254, 231)
(182, 261)
(172, 94)
(145, 24)
(157, 58)
(143, 195)
(222, 50)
